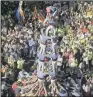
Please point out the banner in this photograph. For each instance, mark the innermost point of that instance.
(35, 13)
(41, 17)
(20, 13)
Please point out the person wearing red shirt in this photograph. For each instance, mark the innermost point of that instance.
(71, 56)
(84, 30)
(48, 10)
(66, 55)
(43, 92)
(92, 22)
(14, 86)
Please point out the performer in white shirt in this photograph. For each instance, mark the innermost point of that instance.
(42, 43)
(59, 61)
(54, 42)
(40, 62)
(43, 39)
(40, 75)
(54, 59)
(31, 43)
(50, 28)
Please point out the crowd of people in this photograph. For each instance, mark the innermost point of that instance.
(65, 38)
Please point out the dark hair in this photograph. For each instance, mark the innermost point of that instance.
(61, 53)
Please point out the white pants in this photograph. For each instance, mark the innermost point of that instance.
(79, 82)
(41, 66)
(42, 48)
(86, 60)
(53, 46)
(54, 65)
(53, 72)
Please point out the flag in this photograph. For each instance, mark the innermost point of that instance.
(35, 13)
(19, 12)
(18, 15)
(41, 17)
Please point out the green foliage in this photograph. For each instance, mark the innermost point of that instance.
(62, 30)
(33, 67)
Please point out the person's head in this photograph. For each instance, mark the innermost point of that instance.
(60, 53)
(24, 79)
(19, 83)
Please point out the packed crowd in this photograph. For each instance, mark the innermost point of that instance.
(71, 49)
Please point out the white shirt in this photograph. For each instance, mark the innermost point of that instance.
(31, 42)
(53, 38)
(50, 27)
(40, 74)
(43, 37)
(59, 63)
(40, 56)
(20, 75)
(29, 32)
(86, 88)
(54, 56)
(81, 36)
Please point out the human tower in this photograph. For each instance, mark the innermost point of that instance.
(45, 83)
